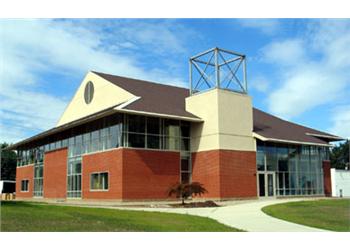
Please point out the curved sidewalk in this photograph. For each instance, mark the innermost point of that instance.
(242, 215)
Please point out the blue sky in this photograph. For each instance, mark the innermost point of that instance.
(298, 69)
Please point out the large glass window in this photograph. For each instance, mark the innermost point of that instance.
(171, 128)
(87, 142)
(38, 172)
(95, 140)
(156, 133)
(171, 134)
(136, 124)
(38, 179)
(74, 177)
(99, 181)
(271, 158)
(185, 169)
(153, 125)
(153, 133)
(136, 140)
(185, 129)
(260, 160)
(153, 141)
(298, 168)
(115, 131)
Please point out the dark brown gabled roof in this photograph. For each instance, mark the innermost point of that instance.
(155, 97)
(170, 100)
(272, 127)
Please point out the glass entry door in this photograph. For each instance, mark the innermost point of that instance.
(266, 184)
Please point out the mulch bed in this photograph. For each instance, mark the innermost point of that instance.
(197, 204)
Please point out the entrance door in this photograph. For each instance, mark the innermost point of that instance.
(266, 185)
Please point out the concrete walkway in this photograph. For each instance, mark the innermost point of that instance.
(242, 215)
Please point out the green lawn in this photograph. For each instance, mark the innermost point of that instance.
(34, 217)
(330, 214)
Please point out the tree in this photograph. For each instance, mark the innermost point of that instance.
(8, 163)
(185, 190)
(339, 155)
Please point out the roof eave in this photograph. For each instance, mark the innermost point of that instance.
(63, 127)
(328, 137)
(262, 138)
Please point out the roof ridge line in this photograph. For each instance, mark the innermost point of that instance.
(136, 79)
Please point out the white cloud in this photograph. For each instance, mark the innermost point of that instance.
(332, 36)
(260, 83)
(287, 52)
(8, 135)
(266, 26)
(341, 121)
(47, 44)
(31, 48)
(312, 70)
(305, 89)
(162, 38)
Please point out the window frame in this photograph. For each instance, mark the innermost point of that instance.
(99, 173)
(22, 181)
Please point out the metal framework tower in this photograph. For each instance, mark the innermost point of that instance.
(218, 68)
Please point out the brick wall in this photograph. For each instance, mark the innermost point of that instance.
(238, 174)
(25, 173)
(327, 178)
(109, 161)
(55, 173)
(147, 174)
(205, 170)
(226, 173)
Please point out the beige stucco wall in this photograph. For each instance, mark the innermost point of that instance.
(228, 121)
(105, 96)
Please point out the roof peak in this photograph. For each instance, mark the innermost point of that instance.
(139, 80)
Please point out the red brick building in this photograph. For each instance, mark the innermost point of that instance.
(127, 139)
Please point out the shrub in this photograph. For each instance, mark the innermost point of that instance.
(186, 190)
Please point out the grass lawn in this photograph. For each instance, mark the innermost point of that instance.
(33, 217)
(330, 214)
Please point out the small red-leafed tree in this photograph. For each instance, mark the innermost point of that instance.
(186, 190)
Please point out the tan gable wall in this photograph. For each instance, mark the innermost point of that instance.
(105, 96)
(228, 121)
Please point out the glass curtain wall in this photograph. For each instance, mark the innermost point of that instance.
(298, 168)
(156, 133)
(115, 131)
(119, 130)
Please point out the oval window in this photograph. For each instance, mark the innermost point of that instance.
(89, 92)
